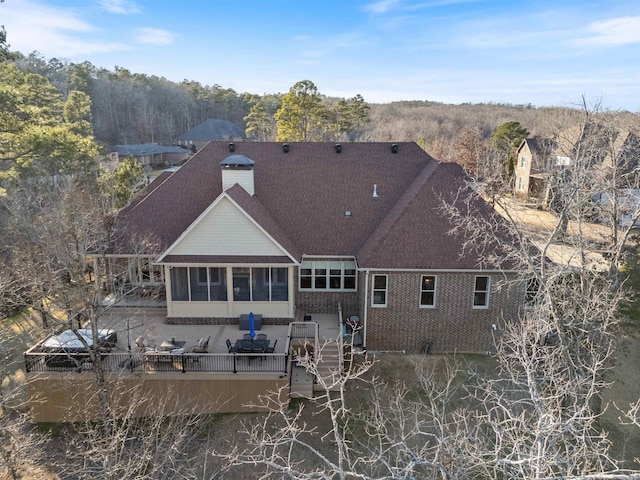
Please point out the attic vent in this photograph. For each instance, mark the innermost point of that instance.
(232, 147)
(375, 191)
(338, 148)
(394, 148)
(285, 147)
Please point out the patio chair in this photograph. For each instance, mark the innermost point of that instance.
(272, 348)
(142, 345)
(230, 347)
(202, 346)
(261, 336)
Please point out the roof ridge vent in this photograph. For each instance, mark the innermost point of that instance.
(375, 190)
(338, 148)
(394, 148)
(285, 147)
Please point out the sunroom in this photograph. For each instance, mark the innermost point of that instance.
(227, 291)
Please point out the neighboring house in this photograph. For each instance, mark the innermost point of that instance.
(627, 206)
(288, 229)
(610, 154)
(150, 154)
(211, 130)
(534, 162)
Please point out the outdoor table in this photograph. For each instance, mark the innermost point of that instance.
(169, 345)
(251, 346)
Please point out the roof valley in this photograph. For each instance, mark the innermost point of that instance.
(398, 209)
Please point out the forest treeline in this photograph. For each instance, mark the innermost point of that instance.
(129, 108)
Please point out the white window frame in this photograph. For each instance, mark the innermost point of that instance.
(349, 266)
(374, 290)
(487, 292)
(521, 183)
(315, 276)
(523, 161)
(423, 290)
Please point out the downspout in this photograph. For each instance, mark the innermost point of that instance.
(167, 289)
(292, 291)
(366, 309)
(228, 271)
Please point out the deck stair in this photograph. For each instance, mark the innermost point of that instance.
(301, 383)
(329, 366)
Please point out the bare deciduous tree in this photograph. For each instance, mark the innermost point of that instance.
(21, 443)
(538, 415)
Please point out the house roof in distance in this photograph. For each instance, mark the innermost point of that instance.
(540, 149)
(318, 200)
(213, 129)
(142, 149)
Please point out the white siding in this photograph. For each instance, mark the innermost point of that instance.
(244, 178)
(225, 230)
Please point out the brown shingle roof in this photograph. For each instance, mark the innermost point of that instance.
(301, 198)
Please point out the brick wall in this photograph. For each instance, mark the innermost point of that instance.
(453, 325)
(325, 302)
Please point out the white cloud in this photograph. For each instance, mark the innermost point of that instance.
(382, 6)
(122, 7)
(437, 3)
(613, 32)
(154, 36)
(52, 31)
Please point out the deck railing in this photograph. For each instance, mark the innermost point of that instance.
(159, 362)
(303, 330)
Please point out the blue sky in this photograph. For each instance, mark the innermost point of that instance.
(454, 51)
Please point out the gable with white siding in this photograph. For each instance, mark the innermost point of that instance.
(225, 229)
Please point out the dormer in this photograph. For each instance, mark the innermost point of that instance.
(238, 169)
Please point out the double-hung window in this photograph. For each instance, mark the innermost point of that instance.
(379, 290)
(481, 292)
(531, 292)
(428, 291)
